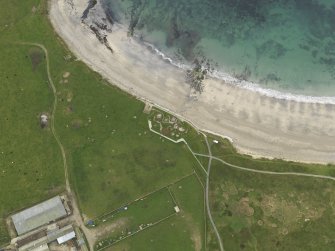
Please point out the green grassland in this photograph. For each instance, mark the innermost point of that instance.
(30, 162)
(31, 168)
(189, 195)
(113, 156)
(114, 159)
(168, 235)
(266, 212)
(183, 231)
(175, 128)
(137, 216)
(159, 203)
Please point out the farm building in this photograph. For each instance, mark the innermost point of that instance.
(66, 237)
(39, 215)
(62, 235)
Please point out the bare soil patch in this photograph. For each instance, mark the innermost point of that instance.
(244, 208)
(195, 232)
(36, 57)
(77, 123)
(107, 229)
(66, 74)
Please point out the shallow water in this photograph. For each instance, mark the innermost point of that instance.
(287, 45)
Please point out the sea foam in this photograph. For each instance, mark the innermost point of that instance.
(247, 84)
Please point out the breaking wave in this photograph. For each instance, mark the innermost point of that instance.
(247, 84)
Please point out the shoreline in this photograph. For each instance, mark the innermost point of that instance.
(259, 125)
(251, 86)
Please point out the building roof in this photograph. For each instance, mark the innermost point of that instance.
(50, 237)
(35, 244)
(38, 215)
(66, 237)
(54, 235)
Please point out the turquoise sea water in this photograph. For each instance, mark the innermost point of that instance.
(287, 45)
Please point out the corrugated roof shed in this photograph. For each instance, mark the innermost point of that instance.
(38, 215)
(66, 237)
(58, 233)
(50, 237)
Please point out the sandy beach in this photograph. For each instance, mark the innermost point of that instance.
(258, 124)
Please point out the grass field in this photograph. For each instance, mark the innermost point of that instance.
(30, 162)
(267, 212)
(31, 168)
(113, 157)
(155, 202)
(137, 216)
(189, 195)
(184, 231)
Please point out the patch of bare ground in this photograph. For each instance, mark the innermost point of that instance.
(121, 246)
(36, 57)
(195, 231)
(69, 97)
(85, 218)
(243, 207)
(196, 238)
(76, 123)
(10, 228)
(55, 190)
(66, 74)
(107, 229)
(68, 110)
(288, 213)
(229, 188)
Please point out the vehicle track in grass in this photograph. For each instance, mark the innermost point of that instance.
(90, 236)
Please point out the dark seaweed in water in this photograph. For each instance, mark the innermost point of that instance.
(215, 18)
(135, 13)
(90, 5)
(257, 33)
(271, 77)
(244, 75)
(110, 13)
(272, 48)
(196, 76)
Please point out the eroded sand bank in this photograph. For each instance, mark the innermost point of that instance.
(259, 125)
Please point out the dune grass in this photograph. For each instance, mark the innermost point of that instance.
(226, 151)
(266, 212)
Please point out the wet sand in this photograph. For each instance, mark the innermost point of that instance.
(257, 124)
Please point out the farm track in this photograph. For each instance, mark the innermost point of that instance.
(211, 157)
(207, 194)
(267, 172)
(90, 235)
(76, 213)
